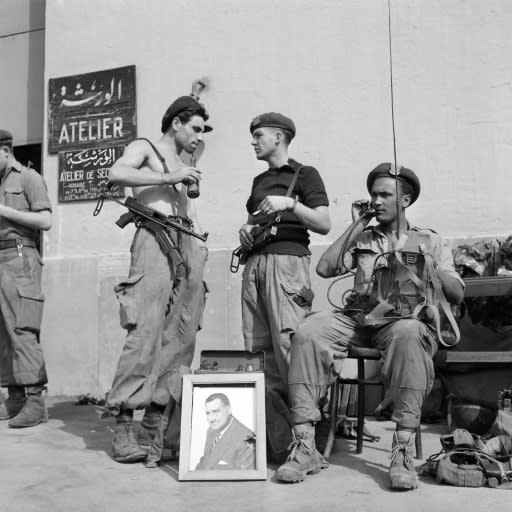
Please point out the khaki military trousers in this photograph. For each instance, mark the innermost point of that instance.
(21, 309)
(161, 308)
(320, 346)
(276, 296)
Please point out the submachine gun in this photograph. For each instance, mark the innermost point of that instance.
(262, 234)
(156, 222)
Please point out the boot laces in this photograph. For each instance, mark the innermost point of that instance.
(298, 446)
(405, 447)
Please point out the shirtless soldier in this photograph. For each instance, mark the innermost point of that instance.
(161, 302)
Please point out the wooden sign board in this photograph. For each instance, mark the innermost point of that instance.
(83, 175)
(92, 110)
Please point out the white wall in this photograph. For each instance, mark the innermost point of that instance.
(326, 64)
(454, 110)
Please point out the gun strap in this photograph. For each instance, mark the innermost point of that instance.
(294, 180)
(278, 216)
(439, 301)
(158, 154)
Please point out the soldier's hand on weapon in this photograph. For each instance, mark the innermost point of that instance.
(184, 175)
(274, 204)
(246, 238)
(361, 208)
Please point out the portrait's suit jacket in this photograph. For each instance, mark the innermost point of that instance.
(236, 449)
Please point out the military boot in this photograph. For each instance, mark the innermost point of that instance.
(402, 475)
(304, 459)
(34, 410)
(149, 424)
(125, 447)
(14, 402)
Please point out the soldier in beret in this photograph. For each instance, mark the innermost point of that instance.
(276, 286)
(407, 342)
(161, 302)
(25, 209)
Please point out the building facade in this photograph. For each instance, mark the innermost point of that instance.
(325, 64)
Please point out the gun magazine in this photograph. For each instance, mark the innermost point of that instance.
(164, 241)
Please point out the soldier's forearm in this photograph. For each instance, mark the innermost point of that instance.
(131, 177)
(314, 219)
(35, 220)
(328, 264)
(452, 287)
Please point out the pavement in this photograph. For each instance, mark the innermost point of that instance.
(66, 465)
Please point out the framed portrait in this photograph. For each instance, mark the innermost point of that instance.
(223, 427)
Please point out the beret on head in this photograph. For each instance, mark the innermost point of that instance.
(5, 136)
(273, 120)
(387, 170)
(184, 104)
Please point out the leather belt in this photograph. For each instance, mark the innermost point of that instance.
(13, 244)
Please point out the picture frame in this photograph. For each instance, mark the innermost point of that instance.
(223, 439)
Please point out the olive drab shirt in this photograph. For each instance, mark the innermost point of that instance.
(23, 189)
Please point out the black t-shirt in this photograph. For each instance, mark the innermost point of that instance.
(292, 237)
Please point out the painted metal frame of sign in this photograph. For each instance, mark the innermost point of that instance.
(239, 449)
(83, 175)
(92, 109)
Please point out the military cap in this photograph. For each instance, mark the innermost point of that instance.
(273, 120)
(5, 136)
(387, 170)
(184, 104)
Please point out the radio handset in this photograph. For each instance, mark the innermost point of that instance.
(367, 210)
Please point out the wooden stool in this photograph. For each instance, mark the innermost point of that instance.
(361, 354)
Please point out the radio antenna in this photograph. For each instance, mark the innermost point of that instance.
(393, 121)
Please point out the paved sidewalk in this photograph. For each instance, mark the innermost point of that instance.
(66, 465)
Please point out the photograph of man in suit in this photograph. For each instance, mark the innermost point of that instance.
(229, 444)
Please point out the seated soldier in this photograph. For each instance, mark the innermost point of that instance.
(391, 308)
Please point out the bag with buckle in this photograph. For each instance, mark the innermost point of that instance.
(468, 461)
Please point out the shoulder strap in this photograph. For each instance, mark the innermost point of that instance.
(158, 154)
(294, 181)
(439, 301)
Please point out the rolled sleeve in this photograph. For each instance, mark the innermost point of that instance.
(444, 258)
(36, 192)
